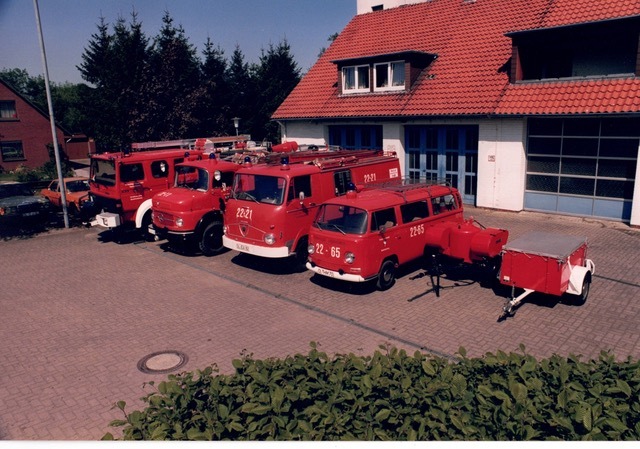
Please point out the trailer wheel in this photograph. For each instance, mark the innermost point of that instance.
(582, 297)
(210, 242)
(386, 275)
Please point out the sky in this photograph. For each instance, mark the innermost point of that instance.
(252, 25)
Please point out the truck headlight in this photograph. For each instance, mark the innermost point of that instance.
(179, 222)
(349, 258)
(269, 239)
(311, 249)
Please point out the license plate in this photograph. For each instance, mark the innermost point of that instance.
(30, 214)
(241, 247)
(324, 272)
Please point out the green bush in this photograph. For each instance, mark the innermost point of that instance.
(394, 396)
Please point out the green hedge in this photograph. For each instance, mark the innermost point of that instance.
(395, 396)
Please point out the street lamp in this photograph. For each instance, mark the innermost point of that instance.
(236, 123)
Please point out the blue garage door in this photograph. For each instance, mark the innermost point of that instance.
(444, 153)
(582, 166)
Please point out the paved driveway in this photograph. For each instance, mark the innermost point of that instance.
(78, 312)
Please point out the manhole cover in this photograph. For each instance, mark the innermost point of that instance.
(162, 362)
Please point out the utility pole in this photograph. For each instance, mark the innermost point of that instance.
(56, 150)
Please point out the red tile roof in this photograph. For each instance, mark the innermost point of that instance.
(469, 77)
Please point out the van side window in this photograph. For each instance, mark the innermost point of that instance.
(445, 203)
(299, 184)
(341, 179)
(159, 169)
(414, 211)
(383, 218)
(131, 172)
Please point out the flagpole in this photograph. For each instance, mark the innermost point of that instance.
(56, 150)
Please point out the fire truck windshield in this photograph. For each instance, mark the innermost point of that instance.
(343, 219)
(259, 188)
(192, 178)
(103, 172)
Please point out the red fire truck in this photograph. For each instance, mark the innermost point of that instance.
(122, 185)
(272, 207)
(191, 212)
(367, 235)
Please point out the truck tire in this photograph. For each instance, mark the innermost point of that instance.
(386, 275)
(144, 228)
(210, 242)
(301, 256)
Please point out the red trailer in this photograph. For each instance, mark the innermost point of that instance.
(549, 263)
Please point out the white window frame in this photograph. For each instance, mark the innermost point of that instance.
(357, 88)
(390, 71)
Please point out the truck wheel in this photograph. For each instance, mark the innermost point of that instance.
(144, 228)
(302, 254)
(210, 242)
(386, 275)
(582, 297)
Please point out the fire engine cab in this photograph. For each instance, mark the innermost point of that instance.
(366, 235)
(191, 211)
(272, 206)
(122, 185)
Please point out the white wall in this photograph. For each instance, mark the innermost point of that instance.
(393, 140)
(364, 6)
(635, 208)
(501, 164)
(304, 132)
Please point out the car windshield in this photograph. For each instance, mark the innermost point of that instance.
(103, 172)
(259, 188)
(192, 178)
(8, 190)
(343, 219)
(78, 186)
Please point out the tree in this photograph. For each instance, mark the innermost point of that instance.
(114, 64)
(66, 97)
(277, 75)
(331, 38)
(213, 106)
(239, 76)
(31, 87)
(168, 100)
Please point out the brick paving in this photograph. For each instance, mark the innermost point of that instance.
(77, 313)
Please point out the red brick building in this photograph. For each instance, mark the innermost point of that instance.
(25, 132)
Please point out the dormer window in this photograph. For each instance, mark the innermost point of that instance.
(355, 79)
(389, 76)
(381, 73)
(599, 49)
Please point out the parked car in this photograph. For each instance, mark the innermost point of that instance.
(77, 192)
(20, 207)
